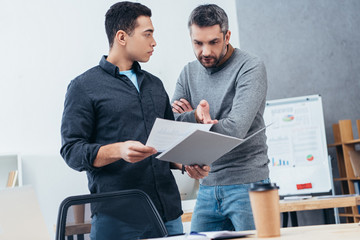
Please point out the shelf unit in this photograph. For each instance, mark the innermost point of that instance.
(10, 162)
(345, 142)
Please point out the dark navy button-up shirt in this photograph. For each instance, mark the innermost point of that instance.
(102, 107)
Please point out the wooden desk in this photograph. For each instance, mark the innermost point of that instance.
(347, 231)
(307, 204)
(318, 203)
(77, 228)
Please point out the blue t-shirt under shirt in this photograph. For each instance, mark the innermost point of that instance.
(132, 76)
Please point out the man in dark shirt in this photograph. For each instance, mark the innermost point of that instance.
(108, 114)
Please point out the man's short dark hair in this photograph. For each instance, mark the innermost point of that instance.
(122, 16)
(209, 15)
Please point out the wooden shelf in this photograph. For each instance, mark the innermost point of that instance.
(344, 142)
(341, 179)
(335, 144)
(346, 214)
(349, 215)
(355, 141)
(347, 179)
(338, 144)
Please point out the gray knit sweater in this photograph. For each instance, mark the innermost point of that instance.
(236, 92)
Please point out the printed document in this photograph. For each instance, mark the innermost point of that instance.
(165, 133)
(190, 143)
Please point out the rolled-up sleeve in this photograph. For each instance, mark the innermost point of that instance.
(77, 129)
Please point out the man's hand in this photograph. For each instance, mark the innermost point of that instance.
(130, 151)
(197, 172)
(181, 106)
(202, 113)
(134, 151)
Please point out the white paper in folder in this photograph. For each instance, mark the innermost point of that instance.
(196, 146)
(166, 133)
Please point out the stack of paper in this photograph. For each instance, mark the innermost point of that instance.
(208, 235)
(222, 234)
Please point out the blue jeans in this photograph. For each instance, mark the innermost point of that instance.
(223, 208)
(105, 227)
(174, 227)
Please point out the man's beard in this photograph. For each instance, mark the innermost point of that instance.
(215, 61)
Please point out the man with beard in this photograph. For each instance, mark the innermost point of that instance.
(229, 85)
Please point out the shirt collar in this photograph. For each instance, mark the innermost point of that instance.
(113, 69)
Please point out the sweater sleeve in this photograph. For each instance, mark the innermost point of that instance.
(250, 94)
(77, 128)
(181, 92)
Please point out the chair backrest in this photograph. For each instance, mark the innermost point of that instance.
(131, 214)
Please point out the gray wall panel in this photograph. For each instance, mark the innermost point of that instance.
(309, 47)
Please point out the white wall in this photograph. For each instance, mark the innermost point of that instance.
(171, 33)
(44, 45)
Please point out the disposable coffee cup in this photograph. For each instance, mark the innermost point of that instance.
(264, 199)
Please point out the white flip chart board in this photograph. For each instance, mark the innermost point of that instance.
(297, 145)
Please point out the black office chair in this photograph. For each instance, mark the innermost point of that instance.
(132, 213)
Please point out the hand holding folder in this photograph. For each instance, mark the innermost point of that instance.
(197, 146)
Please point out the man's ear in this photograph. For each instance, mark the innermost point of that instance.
(121, 37)
(227, 37)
